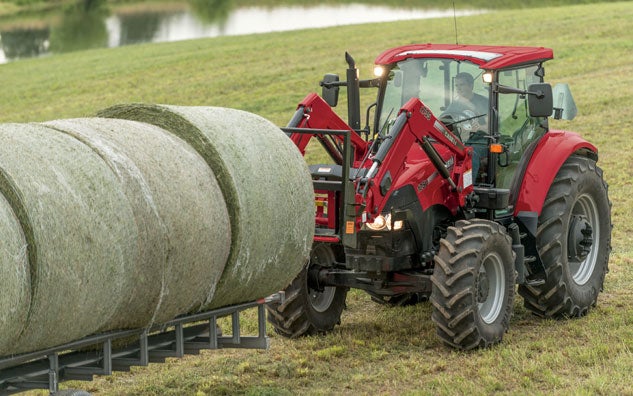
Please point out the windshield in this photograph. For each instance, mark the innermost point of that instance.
(453, 90)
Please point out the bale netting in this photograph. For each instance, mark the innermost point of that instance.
(79, 228)
(15, 282)
(184, 233)
(265, 183)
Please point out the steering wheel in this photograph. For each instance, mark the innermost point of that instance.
(461, 123)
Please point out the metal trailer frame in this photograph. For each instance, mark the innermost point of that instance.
(94, 355)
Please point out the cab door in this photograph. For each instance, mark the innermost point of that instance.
(518, 131)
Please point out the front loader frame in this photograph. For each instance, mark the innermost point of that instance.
(340, 228)
(95, 355)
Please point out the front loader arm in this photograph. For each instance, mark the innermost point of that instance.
(417, 126)
(314, 113)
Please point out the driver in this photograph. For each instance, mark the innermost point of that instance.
(466, 99)
(468, 104)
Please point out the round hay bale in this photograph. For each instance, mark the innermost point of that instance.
(80, 232)
(265, 183)
(15, 279)
(184, 232)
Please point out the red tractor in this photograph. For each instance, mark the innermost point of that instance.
(459, 192)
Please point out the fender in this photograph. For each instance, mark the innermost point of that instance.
(550, 154)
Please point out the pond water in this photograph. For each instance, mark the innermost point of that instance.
(92, 25)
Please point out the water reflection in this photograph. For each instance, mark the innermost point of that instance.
(90, 24)
(82, 27)
(136, 28)
(211, 11)
(24, 43)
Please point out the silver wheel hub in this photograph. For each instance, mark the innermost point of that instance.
(491, 288)
(583, 231)
(321, 300)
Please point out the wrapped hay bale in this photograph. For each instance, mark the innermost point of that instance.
(80, 232)
(15, 282)
(265, 183)
(184, 232)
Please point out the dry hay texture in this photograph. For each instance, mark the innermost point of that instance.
(182, 221)
(116, 223)
(15, 290)
(72, 212)
(266, 185)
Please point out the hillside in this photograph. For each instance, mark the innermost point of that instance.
(378, 350)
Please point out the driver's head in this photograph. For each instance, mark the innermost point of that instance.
(464, 83)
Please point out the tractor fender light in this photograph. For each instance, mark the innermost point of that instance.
(496, 148)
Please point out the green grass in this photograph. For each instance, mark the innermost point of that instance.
(378, 350)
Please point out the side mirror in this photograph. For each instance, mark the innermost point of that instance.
(564, 105)
(540, 100)
(330, 89)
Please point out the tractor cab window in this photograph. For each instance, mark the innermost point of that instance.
(517, 129)
(453, 90)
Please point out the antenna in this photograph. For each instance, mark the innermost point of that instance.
(455, 21)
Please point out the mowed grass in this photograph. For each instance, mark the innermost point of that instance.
(378, 350)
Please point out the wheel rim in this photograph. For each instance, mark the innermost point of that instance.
(581, 246)
(490, 288)
(320, 300)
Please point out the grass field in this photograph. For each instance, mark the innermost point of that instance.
(379, 350)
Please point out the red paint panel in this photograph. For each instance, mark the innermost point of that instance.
(552, 151)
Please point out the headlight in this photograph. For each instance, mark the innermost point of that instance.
(379, 223)
(384, 222)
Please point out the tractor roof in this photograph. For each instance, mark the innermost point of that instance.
(488, 57)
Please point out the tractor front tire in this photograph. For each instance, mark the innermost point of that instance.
(473, 284)
(574, 241)
(305, 310)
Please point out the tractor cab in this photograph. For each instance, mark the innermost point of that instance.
(486, 96)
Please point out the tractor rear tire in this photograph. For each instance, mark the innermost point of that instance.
(473, 284)
(574, 241)
(307, 311)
